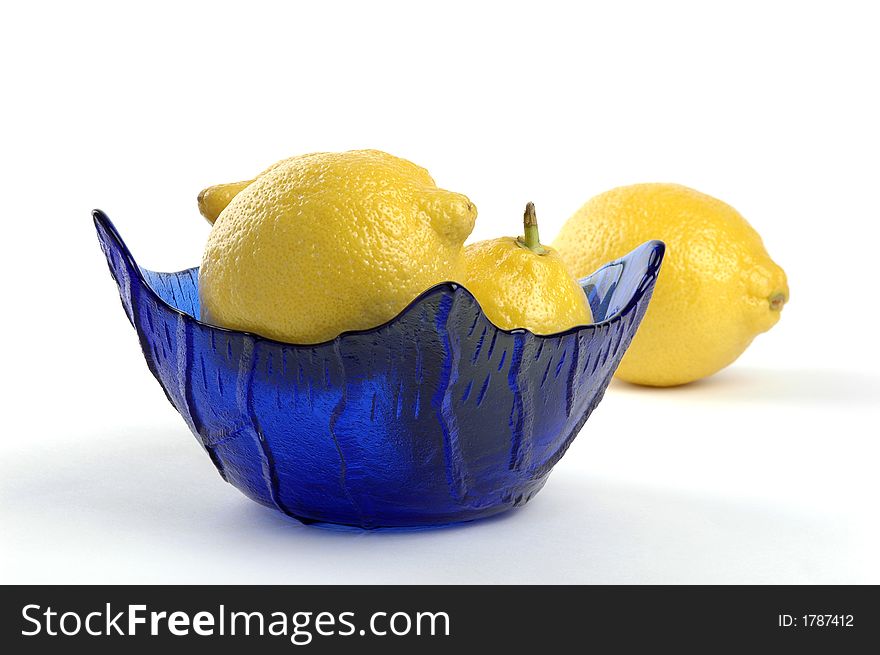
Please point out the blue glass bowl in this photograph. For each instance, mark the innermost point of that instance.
(435, 417)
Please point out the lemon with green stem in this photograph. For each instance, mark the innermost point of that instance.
(521, 283)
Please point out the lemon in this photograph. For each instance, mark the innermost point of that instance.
(214, 199)
(324, 243)
(717, 290)
(521, 284)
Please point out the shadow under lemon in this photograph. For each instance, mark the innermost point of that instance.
(800, 386)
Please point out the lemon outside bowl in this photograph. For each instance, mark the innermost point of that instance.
(433, 418)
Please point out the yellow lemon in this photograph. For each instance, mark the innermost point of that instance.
(214, 199)
(717, 290)
(324, 243)
(521, 284)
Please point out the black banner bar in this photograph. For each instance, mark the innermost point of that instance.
(285, 619)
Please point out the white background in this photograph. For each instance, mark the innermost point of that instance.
(765, 473)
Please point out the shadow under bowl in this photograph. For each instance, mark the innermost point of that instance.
(435, 417)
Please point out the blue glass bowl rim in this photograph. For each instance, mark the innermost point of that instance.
(659, 247)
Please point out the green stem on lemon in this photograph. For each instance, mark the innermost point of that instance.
(531, 240)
